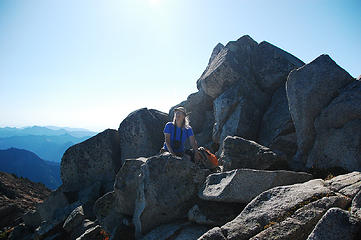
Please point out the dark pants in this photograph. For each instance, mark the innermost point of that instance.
(189, 152)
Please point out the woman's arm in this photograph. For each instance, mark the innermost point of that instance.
(194, 145)
(167, 142)
(193, 142)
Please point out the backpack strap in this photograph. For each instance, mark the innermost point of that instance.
(175, 134)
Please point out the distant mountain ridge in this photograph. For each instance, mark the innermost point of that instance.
(48, 131)
(48, 143)
(27, 164)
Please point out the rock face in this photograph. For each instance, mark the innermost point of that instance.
(276, 206)
(107, 213)
(223, 106)
(55, 210)
(336, 224)
(262, 65)
(50, 207)
(96, 159)
(309, 90)
(126, 184)
(338, 132)
(277, 130)
(347, 184)
(241, 153)
(227, 66)
(289, 212)
(81, 228)
(141, 133)
(272, 65)
(74, 219)
(241, 77)
(356, 206)
(242, 185)
(167, 189)
(301, 223)
(152, 191)
(235, 114)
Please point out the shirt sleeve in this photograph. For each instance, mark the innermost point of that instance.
(190, 132)
(167, 128)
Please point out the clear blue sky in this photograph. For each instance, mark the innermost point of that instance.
(90, 63)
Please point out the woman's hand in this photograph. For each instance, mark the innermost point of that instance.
(197, 156)
(167, 142)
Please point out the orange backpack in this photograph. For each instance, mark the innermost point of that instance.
(209, 160)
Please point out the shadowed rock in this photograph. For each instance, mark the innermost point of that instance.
(214, 213)
(96, 159)
(277, 130)
(338, 132)
(228, 66)
(241, 153)
(242, 78)
(167, 189)
(309, 90)
(126, 184)
(336, 224)
(141, 133)
(272, 66)
(108, 214)
(154, 191)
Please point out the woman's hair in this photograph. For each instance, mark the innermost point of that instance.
(185, 122)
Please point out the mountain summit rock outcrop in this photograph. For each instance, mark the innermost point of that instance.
(241, 78)
(279, 126)
(309, 90)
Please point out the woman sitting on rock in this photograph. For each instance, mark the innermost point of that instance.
(176, 134)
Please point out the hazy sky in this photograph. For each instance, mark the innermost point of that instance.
(90, 63)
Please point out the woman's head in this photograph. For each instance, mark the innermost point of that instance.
(180, 116)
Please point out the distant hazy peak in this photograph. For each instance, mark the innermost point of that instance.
(46, 131)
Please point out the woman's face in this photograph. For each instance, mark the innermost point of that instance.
(179, 116)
